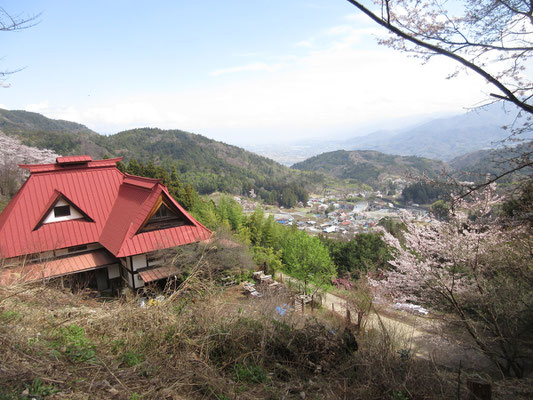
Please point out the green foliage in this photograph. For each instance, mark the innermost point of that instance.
(249, 373)
(8, 316)
(395, 228)
(366, 252)
(204, 164)
(425, 193)
(269, 257)
(74, 344)
(132, 358)
(39, 390)
(399, 395)
(255, 224)
(520, 206)
(231, 211)
(306, 258)
(208, 166)
(476, 166)
(267, 236)
(35, 130)
(3, 203)
(206, 213)
(441, 210)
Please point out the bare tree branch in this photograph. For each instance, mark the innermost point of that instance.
(427, 37)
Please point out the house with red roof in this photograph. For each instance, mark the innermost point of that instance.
(84, 216)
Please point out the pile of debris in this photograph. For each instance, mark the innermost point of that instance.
(249, 288)
(265, 282)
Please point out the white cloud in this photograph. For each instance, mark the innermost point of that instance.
(38, 107)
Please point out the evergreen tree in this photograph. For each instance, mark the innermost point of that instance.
(267, 238)
(255, 223)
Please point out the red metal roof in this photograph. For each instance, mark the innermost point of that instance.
(131, 208)
(73, 159)
(59, 267)
(117, 203)
(150, 275)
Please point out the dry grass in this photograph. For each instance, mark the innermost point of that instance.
(198, 344)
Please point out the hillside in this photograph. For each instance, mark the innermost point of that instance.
(476, 165)
(36, 130)
(207, 164)
(369, 167)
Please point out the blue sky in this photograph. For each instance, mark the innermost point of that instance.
(237, 71)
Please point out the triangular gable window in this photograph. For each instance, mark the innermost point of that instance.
(164, 216)
(62, 209)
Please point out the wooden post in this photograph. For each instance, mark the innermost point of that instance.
(333, 307)
(478, 390)
(348, 316)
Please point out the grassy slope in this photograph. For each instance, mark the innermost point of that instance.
(216, 347)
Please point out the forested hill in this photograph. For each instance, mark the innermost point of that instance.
(475, 166)
(369, 167)
(36, 130)
(206, 164)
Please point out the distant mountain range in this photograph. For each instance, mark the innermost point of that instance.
(441, 138)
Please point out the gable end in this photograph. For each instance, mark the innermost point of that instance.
(163, 215)
(62, 209)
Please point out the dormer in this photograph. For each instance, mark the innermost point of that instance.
(60, 210)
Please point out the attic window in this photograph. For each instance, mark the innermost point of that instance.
(164, 218)
(162, 213)
(61, 211)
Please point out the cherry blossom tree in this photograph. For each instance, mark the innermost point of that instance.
(477, 269)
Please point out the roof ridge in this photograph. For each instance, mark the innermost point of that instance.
(142, 178)
(59, 166)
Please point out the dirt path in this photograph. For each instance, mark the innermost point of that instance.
(421, 335)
